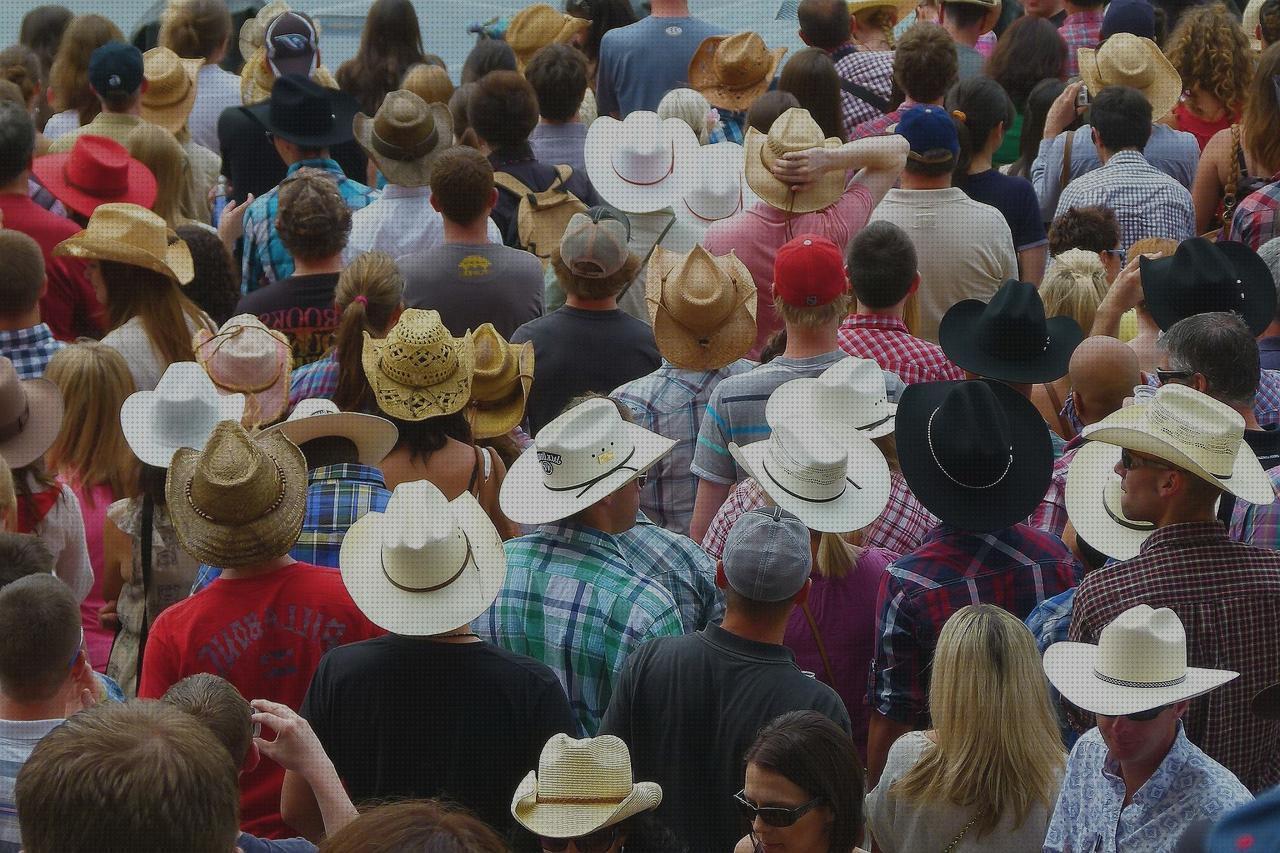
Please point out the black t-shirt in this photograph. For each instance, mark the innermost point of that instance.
(408, 717)
(689, 708)
(577, 351)
(471, 285)
(252, 164)
(1015, 198)
(302, 307)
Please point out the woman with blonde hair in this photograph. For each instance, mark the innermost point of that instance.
(986, 776)
(1215, 60)
(158, 150)
(1073, 286)
(201, 29)
(693, 109)
(74, 102)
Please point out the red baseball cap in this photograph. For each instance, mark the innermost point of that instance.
(809, 271)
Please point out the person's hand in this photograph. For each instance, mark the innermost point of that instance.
(1126, 290)
(231, 225)
(1063, 111)
(296, 746)
(108, 618)
(798, 168)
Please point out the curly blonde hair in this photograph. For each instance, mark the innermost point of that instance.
(1210, 50)
(1074, 286)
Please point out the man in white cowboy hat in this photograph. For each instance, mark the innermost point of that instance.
(423, 569)
(1136, 782)
(689, 707)
(1144, 488)
(572, 598)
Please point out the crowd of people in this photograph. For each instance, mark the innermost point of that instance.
(644, 440)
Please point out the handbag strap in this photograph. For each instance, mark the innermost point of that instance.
(1065, 177)
(148, 516)
(960, 835)
(817, 638)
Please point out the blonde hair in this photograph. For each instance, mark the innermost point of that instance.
(1074, 286)
(883, 18)
(986, 666)
(811, 318)
(90, 448)
(429, 82)
(690, 107)
(8, 498)
(375, 277)
(158, 150)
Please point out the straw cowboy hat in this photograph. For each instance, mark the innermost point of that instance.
(901, 7)
(581, 786)
(129, 234)
(253, 32)
(849, 397)
(637, 164)
(30, 416)
(500, 383)
(1202, 276)
(316, 417)
(171, 88)
(405, 136)
(240, 500)
(1139, 663)
(535, 27)
(794, 130)
(1129, 60)
(714, 188)
(419, 370)
(426, 565)
(732, 71)
(702, 307)
(96, 171)
(181, 412)
(245, 357)
(585, 454)
(1093, 497)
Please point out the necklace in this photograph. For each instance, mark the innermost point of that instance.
(459, 635)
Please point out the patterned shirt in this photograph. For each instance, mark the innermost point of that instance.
(1227, 595)
(337, 497)
(871, 69)
(684, 570)
(1258, 525)
(29, 349)
(319, 379)
(1254, 221)
(1051, 515)
(1147, 202)
(266, 260)
(1015, 568)
(574, 601)
(879, 126)
(1188, 786)
(1082, 29)
(886, 341)
(671, 401)
(1050, 623)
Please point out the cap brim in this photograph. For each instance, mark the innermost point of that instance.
(373, 436)
(44, 422)
(955, 336)
(406, 173)
(1093, 503)
(1071, 668)
(138, 414)
(140, 187)
(602, 140)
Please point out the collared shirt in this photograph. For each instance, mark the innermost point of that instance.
(1081, 29)
(1188, 786)
(1254, 221)
(871, 69)
(266, 260)
(1050, 623)
(29, 349)
(1258, 525)
(671, 401)
(684, 570)
(1147, 202)
(337, 497)
(879, 126)
(114, 126)
(399, 222)
(886, 341)
(573, 600)
(562, 142)
(1015, 568)
(1051, 515)
(319, 379)
(1227, 595)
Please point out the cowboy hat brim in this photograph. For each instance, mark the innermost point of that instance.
(703, 77)
(418, 402)
(1072, 669)
(959, 343)
(1093, 503)
(820, 193)
(1162, 93)
(717, 157)
(798, 394)
(570, 26)
(264, 406)
(373, 436)
(43, 423)
(1256, 285)
(86, 246)
(574, 820)
(1018, 492)
(683, 347)
(406, 173)
(139, 412)
(902, 7)
(602, 141)
(255, 84)
(50, 171)
(422, 614)
(344, 109)
(492, 419)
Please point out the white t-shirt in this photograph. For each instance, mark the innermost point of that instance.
(131, 341)
(215, 91)
(17, 740)
(61, 124)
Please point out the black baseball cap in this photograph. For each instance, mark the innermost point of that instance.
(292, 43)
(115, 69)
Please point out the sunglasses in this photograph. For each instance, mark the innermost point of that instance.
(772, 815)
(1129, 462)
(1145, 716)
(1176, 376)
(597, 842)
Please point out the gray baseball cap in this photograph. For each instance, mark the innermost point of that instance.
(766, 555)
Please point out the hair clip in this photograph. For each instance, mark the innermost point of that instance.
(959, 116)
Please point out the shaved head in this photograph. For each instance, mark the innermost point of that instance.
(1103, 372)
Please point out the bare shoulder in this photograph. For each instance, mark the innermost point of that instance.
(745, 845)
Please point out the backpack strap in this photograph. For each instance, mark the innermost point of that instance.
(146, 522)
(822, 648)
(862, 93)
(512, 185)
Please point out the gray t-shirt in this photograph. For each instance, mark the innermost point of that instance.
(642, 62)
(471, 285)
(969, 62)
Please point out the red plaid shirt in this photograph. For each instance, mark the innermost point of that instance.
(1227, 595)
(1083, 29)
(886, 341)
(1255, 221)
(879, 126)
(1051, 515)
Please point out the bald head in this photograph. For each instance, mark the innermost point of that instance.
(824, 23)
(1103, 372)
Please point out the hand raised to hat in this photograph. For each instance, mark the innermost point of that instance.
(803, 167)
(231, 225)
(1063, 111)
(1125, 293)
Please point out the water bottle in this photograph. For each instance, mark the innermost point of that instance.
(219, 199)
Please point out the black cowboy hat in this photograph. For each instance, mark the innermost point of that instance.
(1203, 276)
(1009, 338)
(976, 453)
(305, 113)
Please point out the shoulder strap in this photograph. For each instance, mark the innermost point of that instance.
(862, 93)
(563, 173)
(511, 184)
(822, 648)
(1067, 432)
(645, 259)
(963, 832)
(148, 516)
(1065, 177)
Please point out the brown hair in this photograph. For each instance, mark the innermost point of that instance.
(558, 74)
(924, 63)
(138, 775)
(158, 150)
(21, 554)
(195, 29)
(313, 221)
(503, 109)
(1262, 113)
(415, 826)
(69, 77)
(810, 318)
(594, 288)
(765, 109)
(1029, 51)
(39, 635)
(390, 44)
(216, 703)
(1210, 50)
(1094, 228)
(374, 276)
(24, 272)
(42, 30)
(156, 299)
(811, 76)
(21, 66)
(216, 285)
(429, 82)
(462, 184)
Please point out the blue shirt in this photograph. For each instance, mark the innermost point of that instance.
(683, 569)
(641, 62)
(1049, 624)
(29, 349)
(1016, 200)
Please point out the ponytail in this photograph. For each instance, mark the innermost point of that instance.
(367, 298)
(977, 106)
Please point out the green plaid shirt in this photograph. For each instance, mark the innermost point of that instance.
(572, 601)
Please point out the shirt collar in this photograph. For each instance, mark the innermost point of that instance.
(515, 154)
(872, 320)
(1086, 16)
(574, 533)
(1129, 156)
(729, 641)
(326, 163)
(1179, 533)
(398, 191)
(37, 334)
(347, 471)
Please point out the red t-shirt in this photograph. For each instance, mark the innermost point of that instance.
(266, 636)
(69, 306)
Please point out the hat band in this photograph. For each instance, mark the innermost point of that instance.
(589, 483)
(1140, 527)
(928, 435)
(498, 403)
(227, 335)
(702, 218)
(1120, 682)
(466, 560)
(875, 424)
(765, 465)
(578, 801)
(402, 152)
(14, 427)
(280, 495)
(670, 170)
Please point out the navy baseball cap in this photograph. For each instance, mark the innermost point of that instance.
(929, 129)
(1137, 17)
(1253, 827)
(766, 555)
(115, 69)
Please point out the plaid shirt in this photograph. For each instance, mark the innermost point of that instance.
(1227, 595)
(900, 528)
(1258, 525)
(683, 569)
(871, 69)
(1015, 568)
(29, 349)
(879, 126)
(1254, 221)
(1051, 515)
(1083, 29)
(266, 260)
(319, 379)
(670, 401)
(1050, 623)
(337, 497)
(574, 601)
(886, 341)
(1147, 202)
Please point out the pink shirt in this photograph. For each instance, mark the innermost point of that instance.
(94, 501)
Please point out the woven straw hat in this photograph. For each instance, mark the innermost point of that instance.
(30, 416)
(171, 88)
(795, 130)
(703, 308)
(902, 7)
(256, 78)
(245, 357)
(405, 136)
(500, 382)
(419, 370)
(732, 71)
(581, 786)
(239, 501)
(1129, 60)
(535, 27)
(129, 234)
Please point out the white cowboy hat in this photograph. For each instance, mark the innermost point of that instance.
(638, 164)
(587, 453)
(181, 412)
(1139, 663)
(317, 417)
(714, 188)
(1093, 503)
(850, 396)
(581, 786)
(425, 566)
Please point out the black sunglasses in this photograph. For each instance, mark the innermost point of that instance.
(597, 842)
(1129, 462)
(772, 815)
(1145, 716)
(1167, 376)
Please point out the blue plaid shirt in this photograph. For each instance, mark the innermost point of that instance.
(266, 260)
(1049, 624)
(683, 569)
(317, 380)
(29, 349)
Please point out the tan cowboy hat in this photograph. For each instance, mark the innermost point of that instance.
(702, 307)
(732, 71)
(500, 382)
(581, 786)
(1136, 62)
(245, 357)
(405, 136)
(901, 7)
(30, 416)
(171, 88)
(316, 417)
(129, 234)
(419, 370)
(535, 27)
(240, 500)
(794, 130)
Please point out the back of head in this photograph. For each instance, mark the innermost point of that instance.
(882, 265)
(503, 109)
(23, 280)
(368, 298)
(314, 221)
(39, 637)
(691, 108)
(1029, 51)
(1122, 118)
(42, 30)
(487, 56)
(415, 826)
(1103, 372)
(811, 76)
(17, 141)
(604, 15)
(21, 66)
(216, 285)
(1219, 346)
(90, 448)
(558, 74)
(158, 150)
(429, 82)
(462, 184)
(1211, 51)
(1073, 287)
(1269, 23)
(195, 29)
(924, 62)
(824, 23)
(139, 775)
(1034, 112)
(1094, 229)
(765, 109)
(963, 16)
(218, 705)
(979, 104)
(390, 44)
(766, 563)
(22, 554)
(69, 77)
(593, 260)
